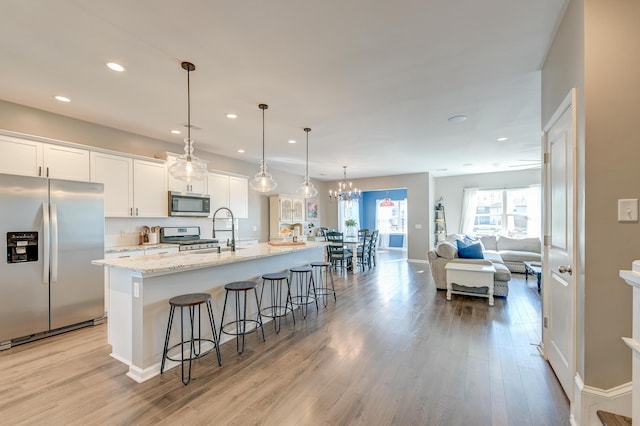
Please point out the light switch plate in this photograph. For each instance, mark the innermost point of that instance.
(628, 210)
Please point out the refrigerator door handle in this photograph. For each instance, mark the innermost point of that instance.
(45, 243)
(54, 243)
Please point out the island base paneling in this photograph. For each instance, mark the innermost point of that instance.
(139, 307)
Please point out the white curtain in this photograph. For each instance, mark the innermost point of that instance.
(383, 224)
(534, 212)
(469, 209)
(348, 210)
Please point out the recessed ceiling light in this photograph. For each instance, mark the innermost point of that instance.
(457, 118)
(115, 67)
(241, 150)
(502, 139)
(292, 141)
(62, 98)
(230, 115)
(175, 132)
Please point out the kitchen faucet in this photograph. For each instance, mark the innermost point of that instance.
(231, 244)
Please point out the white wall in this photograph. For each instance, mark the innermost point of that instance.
(451, 189)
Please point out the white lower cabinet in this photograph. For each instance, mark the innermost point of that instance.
(132, 187)
(229, 191)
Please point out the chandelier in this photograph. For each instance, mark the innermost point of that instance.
(306, 188)
(188, 167)
(263, 182)
(345, 191)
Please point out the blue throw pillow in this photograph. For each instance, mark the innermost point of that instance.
(469, 251)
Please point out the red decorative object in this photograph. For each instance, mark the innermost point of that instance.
(387, 203)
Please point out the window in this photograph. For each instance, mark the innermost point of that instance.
(514, 212)
(392, 219)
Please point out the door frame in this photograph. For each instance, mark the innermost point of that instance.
(569, 102)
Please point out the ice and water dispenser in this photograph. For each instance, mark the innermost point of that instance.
(22, 247)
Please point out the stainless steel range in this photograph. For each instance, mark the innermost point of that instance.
(188, 237)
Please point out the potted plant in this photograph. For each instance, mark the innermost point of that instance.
(350, 224)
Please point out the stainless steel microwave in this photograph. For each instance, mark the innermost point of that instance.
(189, 204)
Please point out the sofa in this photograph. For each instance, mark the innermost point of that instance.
(513, 251)
(506, 254)
(447, 251)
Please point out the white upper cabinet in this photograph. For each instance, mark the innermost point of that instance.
(229, 191)
(218, 191)
(31, 158)
(63, 162)
(196, 186)
(116, 173)
(150, 195)
(132, 187)
(239, 196)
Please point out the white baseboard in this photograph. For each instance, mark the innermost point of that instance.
(589, 399)
(417, 261)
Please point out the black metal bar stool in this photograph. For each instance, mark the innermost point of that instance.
(190, 301)
(302, 280)
(324, 278)
(276, 310)
(241, 321)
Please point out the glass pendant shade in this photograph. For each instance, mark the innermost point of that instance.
(306, 188)
(188, 167)
(263, 182)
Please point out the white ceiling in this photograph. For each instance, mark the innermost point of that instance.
(375, 80)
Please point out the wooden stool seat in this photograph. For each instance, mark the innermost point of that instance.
(241, 286)
(275, 276)
(192, 299)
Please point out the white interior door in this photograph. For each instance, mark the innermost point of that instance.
(559, 309)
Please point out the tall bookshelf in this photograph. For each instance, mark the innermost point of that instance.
(441, 223)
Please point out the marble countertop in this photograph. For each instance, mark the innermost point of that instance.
(124, 249)
(174, 262)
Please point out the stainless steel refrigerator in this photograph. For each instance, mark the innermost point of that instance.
(52, 230)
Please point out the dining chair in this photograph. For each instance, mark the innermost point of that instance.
(338, 254)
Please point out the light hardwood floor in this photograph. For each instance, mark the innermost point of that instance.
(391, 351)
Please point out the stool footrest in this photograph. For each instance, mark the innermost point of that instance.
(275, 311)
(185, 344)
(250, 327)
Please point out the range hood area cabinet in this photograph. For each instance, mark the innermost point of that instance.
(132, 187)
(229, 191)
(32, 158)
(196, 186)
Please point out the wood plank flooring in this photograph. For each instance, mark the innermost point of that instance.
(391, 351)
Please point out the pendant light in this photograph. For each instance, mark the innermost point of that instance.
(188, 167)
(306, 188)
(263, 181)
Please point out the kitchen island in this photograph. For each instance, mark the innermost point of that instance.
(140, 289)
